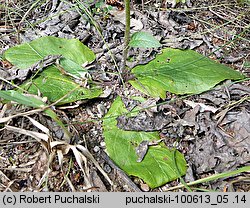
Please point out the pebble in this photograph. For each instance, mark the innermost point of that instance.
(101, 110)
(144, 187)
(107, 168)
(96, 149)
(103, 144)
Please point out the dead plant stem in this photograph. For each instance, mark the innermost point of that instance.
(127, 35)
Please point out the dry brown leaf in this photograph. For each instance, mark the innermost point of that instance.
(203, 107)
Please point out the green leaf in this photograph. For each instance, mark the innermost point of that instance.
(73, 68)
(213, 177)
(243, 2)
(144, 40)
(180, 72)
(51, 83)
(25, 55)
(176, 1)
(157, 168)
(31, 101)
(246, 64)
(23, 99)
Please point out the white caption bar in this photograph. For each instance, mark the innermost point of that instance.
(120, 200)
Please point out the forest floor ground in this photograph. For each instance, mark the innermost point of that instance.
(211, 142)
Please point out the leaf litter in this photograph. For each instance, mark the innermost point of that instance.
(50, 149)
(211, 145)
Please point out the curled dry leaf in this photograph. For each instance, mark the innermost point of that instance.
(141, 150)
(203, 107)
(135, 24)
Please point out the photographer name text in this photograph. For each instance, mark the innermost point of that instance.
(49, 199)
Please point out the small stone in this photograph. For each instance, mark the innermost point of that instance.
(144, 187)
(126, 188)
(107, 168)
(101, 110)
(103, 144)
(165, 188)
(96, 149)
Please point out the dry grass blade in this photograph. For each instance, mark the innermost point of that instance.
(60, 157)
(31, 162)
(8, 189)
(60, 160)
(38, 125)
(44, 139)
(38, 136)
(70, 184)
(6, 119)
(62, 148)
(81, 159)
(90, 156)
(18, 169)
(81, 154)
(2, 112)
